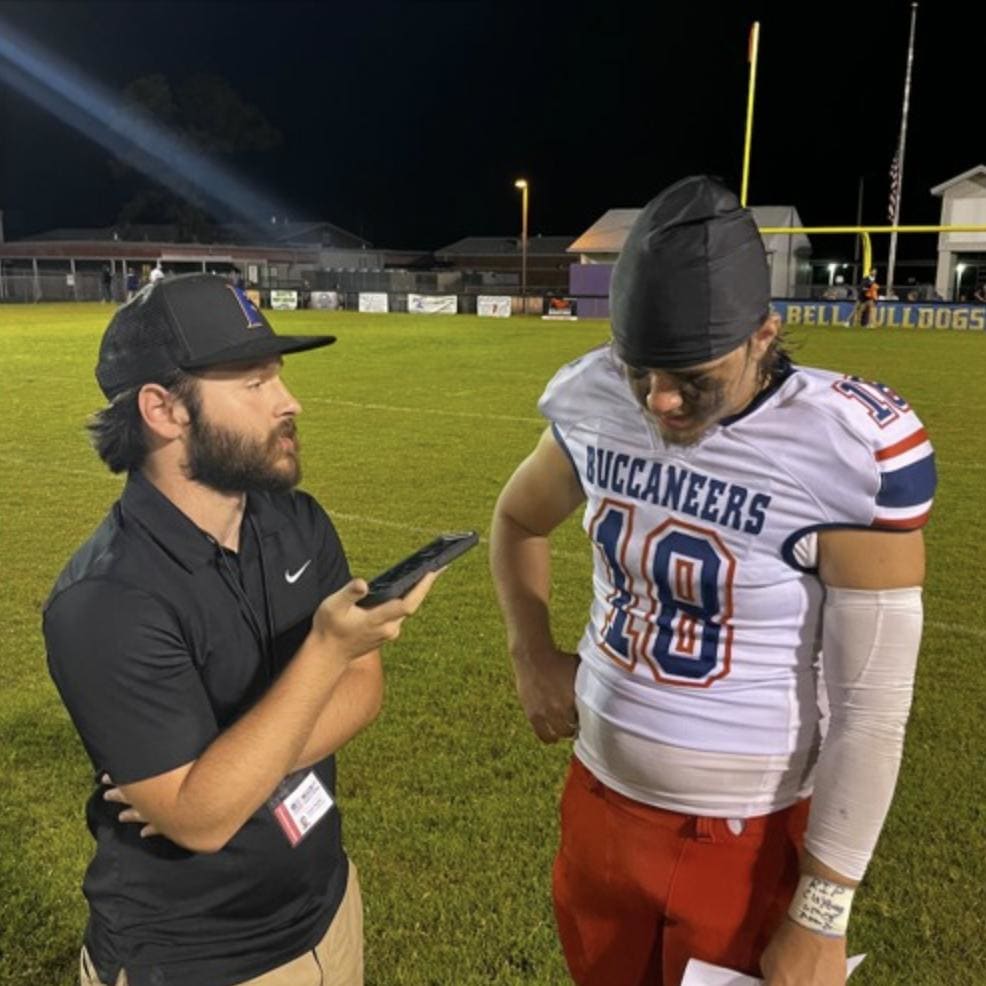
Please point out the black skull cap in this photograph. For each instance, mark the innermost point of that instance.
(692, 281)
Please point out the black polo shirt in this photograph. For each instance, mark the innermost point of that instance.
(158, 640)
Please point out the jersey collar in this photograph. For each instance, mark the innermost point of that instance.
(783, 372)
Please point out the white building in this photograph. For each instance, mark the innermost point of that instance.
(963, 204)
(788, 254)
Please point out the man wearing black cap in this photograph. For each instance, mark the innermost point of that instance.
(755, 524)
(207, 645)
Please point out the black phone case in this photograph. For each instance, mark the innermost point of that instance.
(402, 577)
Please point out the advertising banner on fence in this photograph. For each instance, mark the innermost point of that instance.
(325, 299)
(493, 305)
(284, 299)
(562, 309)
(433, 304)
(373, 301)
(887, 314)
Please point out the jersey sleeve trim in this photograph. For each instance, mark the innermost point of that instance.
(787, 548)
(911, 487)
(903, 520)
(556, 431)
(914, 443)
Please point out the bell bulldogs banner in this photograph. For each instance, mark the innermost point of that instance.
(887, 314)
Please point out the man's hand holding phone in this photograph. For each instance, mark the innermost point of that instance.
(354, 630)
(362, 616)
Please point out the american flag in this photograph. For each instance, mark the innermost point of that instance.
(894, 186)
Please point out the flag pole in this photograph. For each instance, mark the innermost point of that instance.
(752, 55)
(897, 166)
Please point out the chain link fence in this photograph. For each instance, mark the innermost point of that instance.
(24, 286)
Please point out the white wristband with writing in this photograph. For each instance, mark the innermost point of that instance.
(822, 906)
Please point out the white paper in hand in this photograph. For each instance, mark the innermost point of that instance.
(699, 973)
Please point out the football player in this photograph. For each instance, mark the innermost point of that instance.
(740, 692)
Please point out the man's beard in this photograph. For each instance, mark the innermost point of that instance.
(233, 463)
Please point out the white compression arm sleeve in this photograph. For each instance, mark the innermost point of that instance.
(870, 643)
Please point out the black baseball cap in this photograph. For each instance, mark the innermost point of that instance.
(692, 281)
(188, 322)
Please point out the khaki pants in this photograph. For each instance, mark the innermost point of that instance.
(337, 960)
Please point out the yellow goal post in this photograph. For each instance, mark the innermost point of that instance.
(864, 233)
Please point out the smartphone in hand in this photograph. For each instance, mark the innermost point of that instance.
(402, 577)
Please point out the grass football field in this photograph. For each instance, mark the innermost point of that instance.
(411, 425)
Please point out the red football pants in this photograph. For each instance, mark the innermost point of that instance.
(639, 891)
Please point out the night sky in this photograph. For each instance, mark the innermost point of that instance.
(408, 122)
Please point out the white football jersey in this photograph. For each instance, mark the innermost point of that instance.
(705, 626)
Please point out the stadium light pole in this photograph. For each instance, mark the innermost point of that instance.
(521, 183)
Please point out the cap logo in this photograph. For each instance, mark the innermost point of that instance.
(254, 320)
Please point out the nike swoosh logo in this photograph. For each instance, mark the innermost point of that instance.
(292, 577)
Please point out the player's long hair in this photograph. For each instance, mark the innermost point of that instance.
(117, 431)
(776, 360)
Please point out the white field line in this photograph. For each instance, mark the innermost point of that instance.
(395, 409)
(430, 531)
(978, 632)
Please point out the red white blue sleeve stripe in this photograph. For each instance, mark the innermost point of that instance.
(907, 483)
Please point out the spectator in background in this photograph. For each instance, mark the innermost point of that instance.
(106, 283)
(869, 291)
(133, 283)
(157, 274)
(979, 295)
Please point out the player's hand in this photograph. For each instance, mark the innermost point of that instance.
(546, 687)
(351, 630)
(129, 813)
(796, 956)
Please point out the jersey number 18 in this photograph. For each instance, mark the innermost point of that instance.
(671, 599)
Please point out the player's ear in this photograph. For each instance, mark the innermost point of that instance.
(765, 334)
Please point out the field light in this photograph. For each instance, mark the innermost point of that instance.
(130, 135)
(832, 269)
(959, 271)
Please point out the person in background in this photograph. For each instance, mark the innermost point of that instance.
(133, 283)
(106, 283)
(869, 292)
